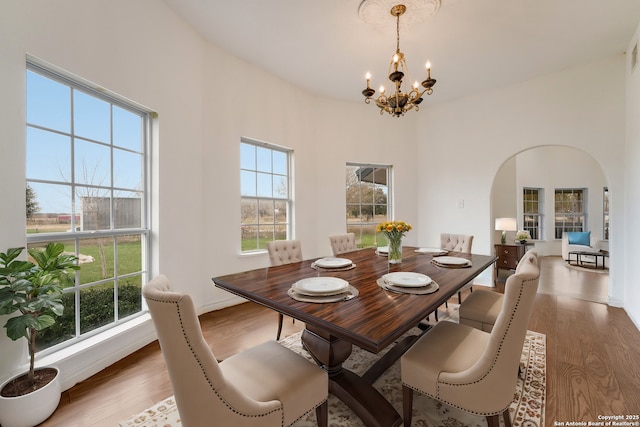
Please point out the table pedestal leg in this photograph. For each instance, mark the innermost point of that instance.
(358, 394)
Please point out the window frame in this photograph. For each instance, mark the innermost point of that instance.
(76, 236)
(535, 225)
(287, 200)
(360, 228)
(579, 222)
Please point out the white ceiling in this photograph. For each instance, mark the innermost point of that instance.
(473, 45)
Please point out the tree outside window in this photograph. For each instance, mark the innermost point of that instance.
(265, 202)
(367, 202)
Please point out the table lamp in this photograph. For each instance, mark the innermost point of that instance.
(504, 225)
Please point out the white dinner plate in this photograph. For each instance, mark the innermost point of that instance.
(423, 290)
(452, 260)
(382, 250)
(348, 294)
(407, 279)
(320, 286)
(434, 251)
(332, 262)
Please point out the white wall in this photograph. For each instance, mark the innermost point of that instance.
(631, 227)
(504, 196)
(563, 108)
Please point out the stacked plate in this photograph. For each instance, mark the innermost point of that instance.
(408, 282)
(451, 262)
(432, 251)
(382, 250)
(322, 289)
(333, 263)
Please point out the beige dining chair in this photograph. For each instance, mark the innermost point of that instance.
(267, 385)
(456, 243)
(480, 310)
(341, 243)
(283, 252)
(473, 370)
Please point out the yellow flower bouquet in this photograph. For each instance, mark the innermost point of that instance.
(395, 231)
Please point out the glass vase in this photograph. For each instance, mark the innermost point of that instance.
(395, 249)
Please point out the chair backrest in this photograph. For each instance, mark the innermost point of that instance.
(284, 251)
(341, 243)
(201, 392)
(488, 385)
(456, 242)
(523, 264)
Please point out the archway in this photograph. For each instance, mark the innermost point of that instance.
(544, 171)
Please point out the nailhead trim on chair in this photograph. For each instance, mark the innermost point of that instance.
(280, 409)
(487, 373)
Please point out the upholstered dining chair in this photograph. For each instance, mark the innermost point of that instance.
(267, 385)
(456, 243)
(341, 243)
(283, 252)
(470, 369)
(480, 310)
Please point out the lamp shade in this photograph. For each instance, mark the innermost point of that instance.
(506, 224)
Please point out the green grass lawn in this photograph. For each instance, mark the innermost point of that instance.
(129, 261)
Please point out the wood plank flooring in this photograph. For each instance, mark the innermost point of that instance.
(593, 356)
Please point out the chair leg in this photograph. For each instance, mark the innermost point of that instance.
(493, 421)
(280, 320)
(322, 414)
(407, 405)
(436, 314)
(507, 418)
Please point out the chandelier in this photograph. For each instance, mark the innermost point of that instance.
(401, 99)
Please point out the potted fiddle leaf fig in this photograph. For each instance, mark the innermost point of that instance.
(32, 291)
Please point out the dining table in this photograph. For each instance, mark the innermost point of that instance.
(373, 320)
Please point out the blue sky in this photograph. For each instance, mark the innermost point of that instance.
(78, 135)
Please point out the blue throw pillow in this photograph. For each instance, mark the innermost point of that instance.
(579, 238)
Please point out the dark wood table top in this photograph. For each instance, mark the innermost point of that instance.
(374, 319)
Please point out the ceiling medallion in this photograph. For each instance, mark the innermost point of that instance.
(400, 99)
(377, 11)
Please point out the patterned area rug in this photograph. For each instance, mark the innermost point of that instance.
(527, 408)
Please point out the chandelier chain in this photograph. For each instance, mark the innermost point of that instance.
(398, 33)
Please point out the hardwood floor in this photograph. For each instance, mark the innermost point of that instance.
(593, 356)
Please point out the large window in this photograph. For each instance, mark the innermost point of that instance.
(368, 202)
(86, 188)
(533, 208)
(570, 210)
(265, 205)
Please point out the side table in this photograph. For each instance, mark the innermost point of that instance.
(508, 257)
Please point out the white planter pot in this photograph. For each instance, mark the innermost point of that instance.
(31, 409)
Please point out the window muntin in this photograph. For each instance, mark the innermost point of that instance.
(533, 208)
(265, 203)
(86, 188)
(570, 210)
(367, 202)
